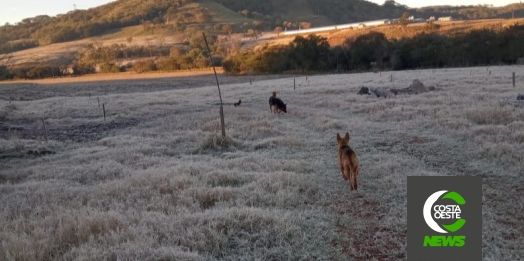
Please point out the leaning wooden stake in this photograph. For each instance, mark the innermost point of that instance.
(98, 99)
(222, 123)
(294, 86)
(104, 109)
(513, 79)
(45, 130)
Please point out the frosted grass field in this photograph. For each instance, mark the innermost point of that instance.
(156, 182)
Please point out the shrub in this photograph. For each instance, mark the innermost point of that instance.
(80, 69)
(109, 68)
(168, 64)
(5, 74)
(144, 66)
(36, 72)
(430, 26)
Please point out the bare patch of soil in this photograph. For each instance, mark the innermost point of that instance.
(86, 132)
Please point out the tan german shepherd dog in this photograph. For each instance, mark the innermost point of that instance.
(348, 161)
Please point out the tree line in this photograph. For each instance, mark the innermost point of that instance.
(515, 10)
(374, 51)
(312, 53)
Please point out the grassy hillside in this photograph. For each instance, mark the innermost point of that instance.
(176, 15)
(222, 14)
(396, 32)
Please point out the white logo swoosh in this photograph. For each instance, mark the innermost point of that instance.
(427, 211)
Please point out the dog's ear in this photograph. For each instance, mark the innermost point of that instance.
(347, 136)
(338, 137)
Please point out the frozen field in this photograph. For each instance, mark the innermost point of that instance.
(155, 182)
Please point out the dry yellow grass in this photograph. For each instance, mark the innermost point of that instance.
(67, 51)
(396, 31)
(118, 76)
(451, 27)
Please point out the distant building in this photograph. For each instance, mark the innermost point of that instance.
(431, 19)
(447, 18)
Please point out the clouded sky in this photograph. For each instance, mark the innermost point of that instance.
(14, 11)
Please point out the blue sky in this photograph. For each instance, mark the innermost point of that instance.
(14, 11)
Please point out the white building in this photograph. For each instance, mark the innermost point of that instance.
(447, 18)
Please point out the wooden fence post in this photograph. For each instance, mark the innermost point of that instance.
(222, 122)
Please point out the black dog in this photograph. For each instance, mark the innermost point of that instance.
(364, 90)
(276, 105)
(237, 104)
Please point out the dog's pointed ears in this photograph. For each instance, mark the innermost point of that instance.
(347, 136)
(338, 137)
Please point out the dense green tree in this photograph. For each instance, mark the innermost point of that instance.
(5, 74)
(309, 53)
(369, 48)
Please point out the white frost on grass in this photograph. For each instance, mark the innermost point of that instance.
(167, 187)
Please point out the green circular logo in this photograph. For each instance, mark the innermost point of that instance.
(444, 211)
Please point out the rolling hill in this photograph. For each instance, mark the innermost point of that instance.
(148, 23)
(177, 15)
